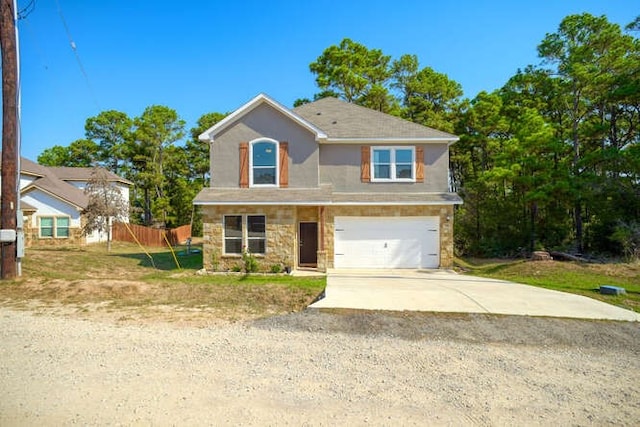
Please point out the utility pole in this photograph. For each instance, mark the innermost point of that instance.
(9, 199)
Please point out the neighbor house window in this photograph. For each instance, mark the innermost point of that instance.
(244, 231)
(264, 163)
(46, 227)
(57, 227)
(393, 164)
(62, 227)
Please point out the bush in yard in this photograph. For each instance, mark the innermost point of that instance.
(627, 234)
(250, 262)
(276, 268)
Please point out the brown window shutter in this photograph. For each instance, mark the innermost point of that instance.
(244, 165)
(284, 164)
(419, 164)
(365, 163)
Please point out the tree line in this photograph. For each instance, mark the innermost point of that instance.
(143, 149)
(550, 160)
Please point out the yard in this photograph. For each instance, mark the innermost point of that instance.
(128, 284)
(175, 349)
(578, 278)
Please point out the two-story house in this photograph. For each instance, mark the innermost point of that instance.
(328, 184)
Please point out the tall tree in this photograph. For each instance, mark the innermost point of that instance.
(196, 158)
(111, 130)
(354, 72)
(428, 97)
(80, 153)
(155, 130)
(197, 152)
(55, 156)
(588, 54)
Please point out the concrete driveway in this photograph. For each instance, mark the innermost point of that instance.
(446, 291)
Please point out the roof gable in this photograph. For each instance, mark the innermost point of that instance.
(343, 121)
(210, 134)
(55, 181)
(60, 190)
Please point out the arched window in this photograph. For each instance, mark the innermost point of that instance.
(263, 168)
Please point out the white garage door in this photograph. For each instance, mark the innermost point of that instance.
(386, 242)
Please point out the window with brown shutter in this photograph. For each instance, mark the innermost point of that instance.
(244, 165)
(365, 163)
(284, 164)
(419, 164)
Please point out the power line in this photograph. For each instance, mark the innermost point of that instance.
(27, 10)
(77, 55)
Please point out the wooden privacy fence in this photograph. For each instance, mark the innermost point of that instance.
(148, 236)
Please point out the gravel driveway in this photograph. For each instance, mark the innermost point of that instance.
(319, 368)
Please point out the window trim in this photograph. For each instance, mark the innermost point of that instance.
(54, 226)
(244, 240)
(276, 161)
(393, 164)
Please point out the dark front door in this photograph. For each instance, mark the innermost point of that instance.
(308, 240)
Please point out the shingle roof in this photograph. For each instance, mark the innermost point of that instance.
(53, 180)
(32, 168)
(26, 207)
(283, 196)
(59, 189)
(317, 196)
(344, 120)
(83, 174)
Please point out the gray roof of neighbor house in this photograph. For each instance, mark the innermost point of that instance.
(32, 168)
(26, 207)
(60, 190)
(344, 120)
(53, 180)
(84, 174)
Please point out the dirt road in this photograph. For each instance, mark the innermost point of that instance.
(317, 368)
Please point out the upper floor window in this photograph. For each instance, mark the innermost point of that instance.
(393, 163)
(264, 163)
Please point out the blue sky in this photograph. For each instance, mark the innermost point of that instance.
(204, 56)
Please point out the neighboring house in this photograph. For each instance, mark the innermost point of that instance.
(52, 200)
(328, 184)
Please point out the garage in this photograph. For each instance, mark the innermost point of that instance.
(386, 242)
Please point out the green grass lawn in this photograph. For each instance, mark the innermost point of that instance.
(578, 278)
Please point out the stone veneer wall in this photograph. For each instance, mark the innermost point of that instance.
(282, 224)
(32, 236)
(446, 227)
(280, 229)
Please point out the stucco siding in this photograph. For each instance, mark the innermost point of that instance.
(340, 166)
(265, 122)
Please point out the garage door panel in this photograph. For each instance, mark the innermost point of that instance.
(386, 242)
